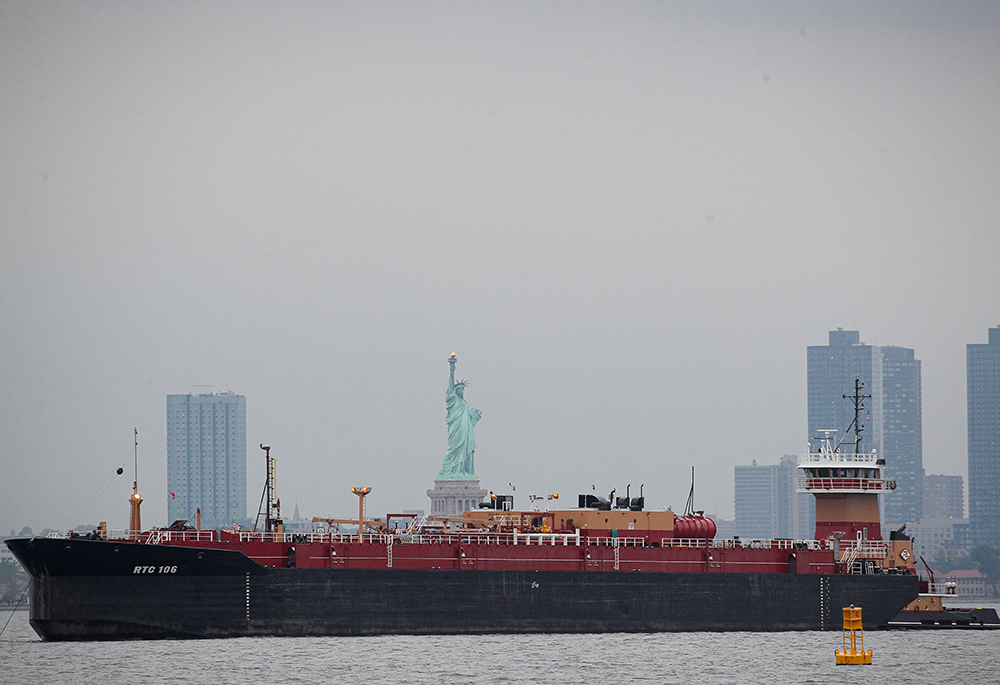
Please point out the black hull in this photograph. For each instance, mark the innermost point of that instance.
(224, 594)
(977, 619)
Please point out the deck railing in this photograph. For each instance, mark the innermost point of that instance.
(744, 543)
(803, 483)
(838, 458)
(616, 541)
(157, 537)
(553, 539)
(116, 534)
(863, 549)
(152, 537)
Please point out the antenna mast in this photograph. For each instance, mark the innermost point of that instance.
(858, 400)
(689, 507)
(270, 505)
(135, 519)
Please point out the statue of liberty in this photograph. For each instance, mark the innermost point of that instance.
(461, 419)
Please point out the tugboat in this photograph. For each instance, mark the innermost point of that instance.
(928, 610)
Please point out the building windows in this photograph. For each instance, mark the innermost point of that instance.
(202, 468)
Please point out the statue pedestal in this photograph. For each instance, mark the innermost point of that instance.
(452, 497)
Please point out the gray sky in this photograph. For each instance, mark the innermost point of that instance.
(628, 219)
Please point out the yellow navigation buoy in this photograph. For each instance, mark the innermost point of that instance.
(856, 634)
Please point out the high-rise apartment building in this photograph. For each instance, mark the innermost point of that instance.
(983, 377)
(207, 458)
(892, 417)
(931, 534)
(767, 505)
(944, 497)
(902, 435)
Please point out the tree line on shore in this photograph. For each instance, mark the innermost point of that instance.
(13, 580)
(982, 558)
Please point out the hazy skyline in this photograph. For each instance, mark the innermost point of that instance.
(628, 220)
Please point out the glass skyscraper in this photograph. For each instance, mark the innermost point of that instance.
(983, 377)
(892, 417)
(207, 458)
(944, 497)
(902, 435)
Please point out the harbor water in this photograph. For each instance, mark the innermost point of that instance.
(911, 656)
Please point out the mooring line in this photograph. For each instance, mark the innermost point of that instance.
(15, 607)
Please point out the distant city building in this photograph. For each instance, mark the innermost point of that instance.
(767, 505)
(944, 497)
(931, 534)
(961, 541)
(207, 459)
(902, 434)
(983, 376)
(724, 529)
(969, 583)
(297, 524)
(892, 418)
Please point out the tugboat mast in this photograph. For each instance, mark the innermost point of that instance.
(858, 400)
